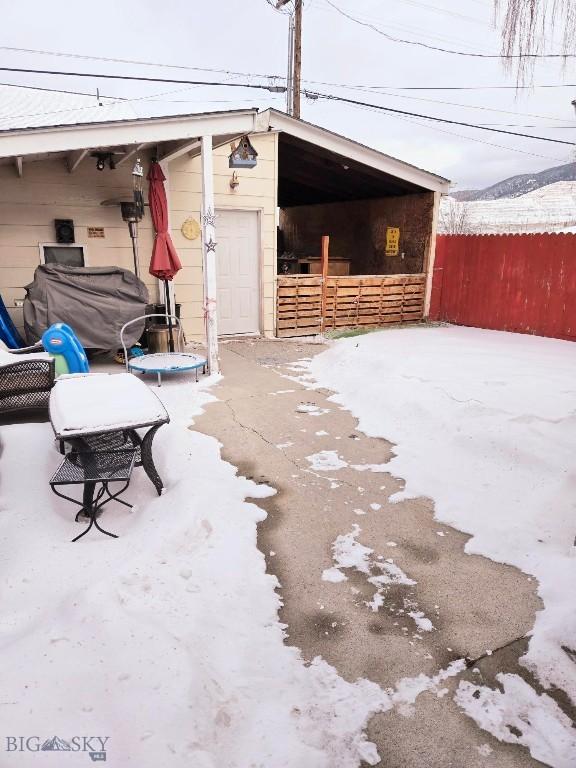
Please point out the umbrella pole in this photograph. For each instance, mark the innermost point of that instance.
(169, 314)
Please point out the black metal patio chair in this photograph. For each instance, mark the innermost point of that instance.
(25, 383)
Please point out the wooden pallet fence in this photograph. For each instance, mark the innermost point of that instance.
(350, 302)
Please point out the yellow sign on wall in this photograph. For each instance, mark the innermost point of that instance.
(392, 241)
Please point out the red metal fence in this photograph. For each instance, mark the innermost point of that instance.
(522, 283)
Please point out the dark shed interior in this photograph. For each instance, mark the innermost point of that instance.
(322, 193)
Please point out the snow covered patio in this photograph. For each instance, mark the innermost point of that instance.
(373, 577)
(167, 641)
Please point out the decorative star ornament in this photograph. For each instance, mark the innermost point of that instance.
(209, 218)
(210, 246)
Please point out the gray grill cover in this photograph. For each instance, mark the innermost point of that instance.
(94, 301)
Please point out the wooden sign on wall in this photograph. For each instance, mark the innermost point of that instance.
(392, 241)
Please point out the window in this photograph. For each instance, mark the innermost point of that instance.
(57, 253)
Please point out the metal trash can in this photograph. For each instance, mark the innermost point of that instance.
(159, 338)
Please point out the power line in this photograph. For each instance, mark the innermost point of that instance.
(445, 11)
(388, 36)
(282, 89)
(470, 138)
(332, 97)
(142, 78)
(139, 62)
(428, 34)
(61, 90)
(471, 106)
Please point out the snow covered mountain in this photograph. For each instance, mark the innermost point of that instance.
(520, 185)
(547, 209)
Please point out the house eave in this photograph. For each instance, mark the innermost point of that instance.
(153, 130)
(278, 121)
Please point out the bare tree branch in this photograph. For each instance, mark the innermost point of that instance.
(524, 26)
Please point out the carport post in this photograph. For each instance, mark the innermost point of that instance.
(209, 255)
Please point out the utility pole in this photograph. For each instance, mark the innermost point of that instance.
(290, 72)
(294, 80)
(297, 80)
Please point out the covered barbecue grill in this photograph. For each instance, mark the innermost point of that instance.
(95, 301)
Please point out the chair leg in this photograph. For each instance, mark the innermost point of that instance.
(148, 460)
(85, 531)
(113, 497)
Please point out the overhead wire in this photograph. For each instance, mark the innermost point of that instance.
(160, 65)
(421, 44)
(312, 94)
(434, 118)
(61, 90)
(472, 138)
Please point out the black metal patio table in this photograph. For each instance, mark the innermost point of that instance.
(99, 413)
(90, 468)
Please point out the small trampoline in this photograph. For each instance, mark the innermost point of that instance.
(163, 362)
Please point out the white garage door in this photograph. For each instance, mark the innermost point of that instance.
(238, 272)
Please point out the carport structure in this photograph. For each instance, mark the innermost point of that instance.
(380, 215)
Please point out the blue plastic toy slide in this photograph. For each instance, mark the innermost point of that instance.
(65, 347)
(8, 333)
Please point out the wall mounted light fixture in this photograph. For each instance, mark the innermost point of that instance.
(234, 181)
(103, 159)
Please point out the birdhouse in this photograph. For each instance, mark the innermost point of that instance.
(243, 155)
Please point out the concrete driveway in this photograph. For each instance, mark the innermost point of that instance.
(480, 610)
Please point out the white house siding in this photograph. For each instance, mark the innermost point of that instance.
(257, 191)
(46, 191)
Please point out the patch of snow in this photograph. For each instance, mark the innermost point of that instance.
(321, 433)
(493, 405)
(326, 461)
(485, 750)
(334, 575)
(89, 631)
(518, 715)
(377, 602)
(370, 467)
(375, 506)
(407, 690)
(349, 553)
(391, 574)
(281, 446)
(312, 409)
(424, 624)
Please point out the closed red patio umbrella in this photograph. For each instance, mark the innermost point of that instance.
(164, 263)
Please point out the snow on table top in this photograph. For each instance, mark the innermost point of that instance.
(102, 402)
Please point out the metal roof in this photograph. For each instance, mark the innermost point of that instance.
(83, 124)
(25, 107)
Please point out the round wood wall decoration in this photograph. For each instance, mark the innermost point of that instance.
(191, 229)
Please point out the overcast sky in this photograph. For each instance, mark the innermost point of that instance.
(251, 37)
